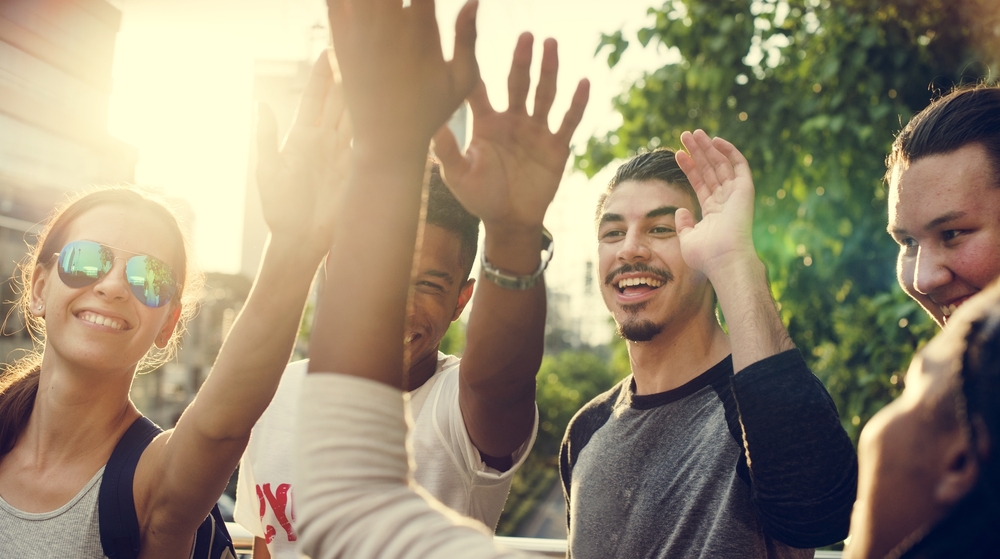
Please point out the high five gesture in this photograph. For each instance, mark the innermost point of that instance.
(399, 87)
(511, 170)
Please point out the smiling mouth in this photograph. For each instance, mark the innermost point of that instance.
(102, 320)
(638, 286)
(948, 310)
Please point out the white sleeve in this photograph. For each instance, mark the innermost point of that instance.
(356, 497)
(247, 503)
(450, 428)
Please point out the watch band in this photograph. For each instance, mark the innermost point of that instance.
(519, 282)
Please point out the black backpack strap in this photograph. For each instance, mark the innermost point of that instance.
(116, 506)
(212, 540)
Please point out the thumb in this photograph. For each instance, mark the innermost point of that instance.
(684, 221)
(453, 163)
(267, 144)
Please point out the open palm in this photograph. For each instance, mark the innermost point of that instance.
(513, 165)
(301, 184)
(720, 177)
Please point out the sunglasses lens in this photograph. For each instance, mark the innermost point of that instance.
(81, 263)
(151, 280)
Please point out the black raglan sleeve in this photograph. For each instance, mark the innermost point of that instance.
(802, 465)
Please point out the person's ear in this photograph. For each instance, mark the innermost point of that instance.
(961, 466)
(464, 296)
(39, 277)
(163, 337)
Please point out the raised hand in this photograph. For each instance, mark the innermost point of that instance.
(514, 163)
(721, 178)
(301, 184)
(399, 87)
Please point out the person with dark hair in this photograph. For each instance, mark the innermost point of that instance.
(474, 417)
(105, 291)
(718, 444)
(929, 482)
(451, 466)
(944, 199)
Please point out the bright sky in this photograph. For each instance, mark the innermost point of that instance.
(183, 74)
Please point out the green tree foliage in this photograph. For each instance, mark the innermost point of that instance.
(812, 92)
(453, 342)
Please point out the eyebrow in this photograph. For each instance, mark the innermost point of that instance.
(937, 221)
(658, 212)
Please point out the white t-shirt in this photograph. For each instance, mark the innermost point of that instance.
(448, 465)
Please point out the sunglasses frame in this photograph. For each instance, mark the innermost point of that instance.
(80, 279)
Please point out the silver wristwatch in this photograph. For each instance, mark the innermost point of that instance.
(520, 282)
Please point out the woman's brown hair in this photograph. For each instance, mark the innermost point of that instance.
(19, 380)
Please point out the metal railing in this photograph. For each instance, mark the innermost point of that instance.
(243, 540)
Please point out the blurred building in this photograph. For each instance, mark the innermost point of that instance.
(55, 81)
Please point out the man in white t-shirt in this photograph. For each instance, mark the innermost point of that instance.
(474, 419)
(451, 466)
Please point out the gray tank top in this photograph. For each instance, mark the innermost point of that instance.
(72, 530)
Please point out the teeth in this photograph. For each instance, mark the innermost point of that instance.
(948, 310)
(102, 320)
(652, 282)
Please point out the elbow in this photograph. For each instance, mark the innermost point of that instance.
(816, 518)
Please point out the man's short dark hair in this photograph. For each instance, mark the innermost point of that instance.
(968, 114)
(659, 164)
(444, 211)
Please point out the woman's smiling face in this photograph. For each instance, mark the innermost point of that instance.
(104, 326)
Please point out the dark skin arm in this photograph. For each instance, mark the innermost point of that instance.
(508, 177)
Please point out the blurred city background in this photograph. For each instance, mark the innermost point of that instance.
(161, 93)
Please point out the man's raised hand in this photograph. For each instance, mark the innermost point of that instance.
(721, 178)
(301, 184)
(514, 163)
(399, 87)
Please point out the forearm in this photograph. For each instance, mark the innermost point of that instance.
(802, 464)
(356, 497)
(755, 328)
(248, 368)
(505, 343)
(360, 316)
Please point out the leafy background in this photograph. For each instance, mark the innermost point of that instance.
(812, 92)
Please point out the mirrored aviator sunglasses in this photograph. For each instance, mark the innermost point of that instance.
(84, 263)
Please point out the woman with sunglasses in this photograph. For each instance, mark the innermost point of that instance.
(106, 292)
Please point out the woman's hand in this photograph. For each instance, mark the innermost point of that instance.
(301, 185)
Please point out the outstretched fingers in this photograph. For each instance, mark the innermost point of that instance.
(519, 79)
(463, 64)
(311, 108)
(739, 163)
(574, 115)
(700, 175)
(545, 92)
(479, 101)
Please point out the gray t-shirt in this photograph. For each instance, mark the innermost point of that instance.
(72, 530)
(665, 475)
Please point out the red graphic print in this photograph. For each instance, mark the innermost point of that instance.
(278, 502)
